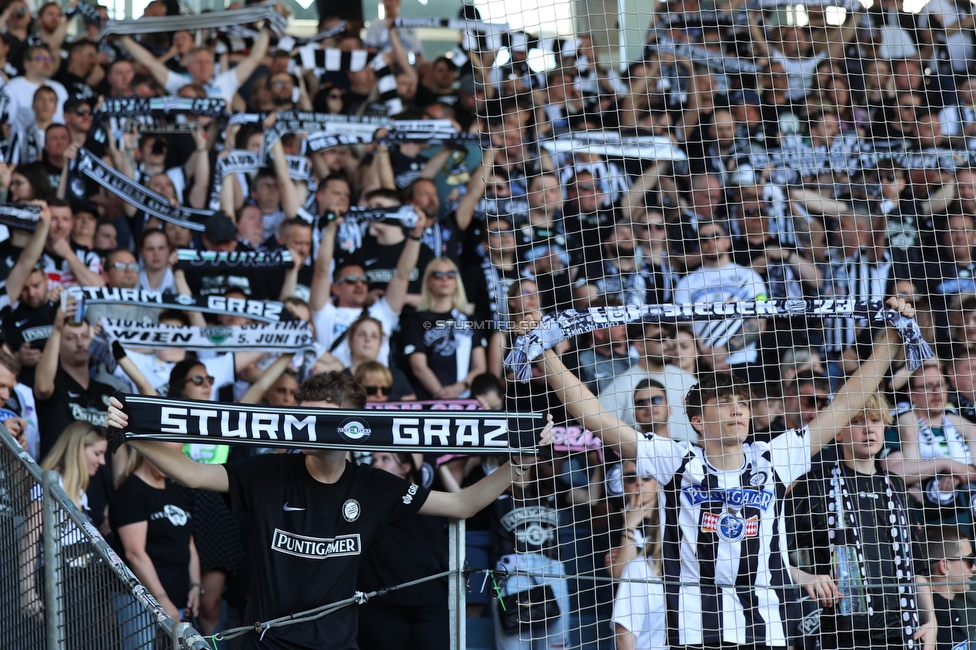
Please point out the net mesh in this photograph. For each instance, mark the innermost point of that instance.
(713, 153)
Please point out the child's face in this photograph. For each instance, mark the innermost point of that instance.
(864, 438)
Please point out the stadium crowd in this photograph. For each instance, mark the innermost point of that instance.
(755, 152)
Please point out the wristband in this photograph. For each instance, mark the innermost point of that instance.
(198, 586)
(413, 238)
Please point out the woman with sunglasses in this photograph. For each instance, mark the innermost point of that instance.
(365, 336)
(377, 380)
(445, 349)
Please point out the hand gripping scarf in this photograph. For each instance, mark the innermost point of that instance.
(191, 421)
(557, 327)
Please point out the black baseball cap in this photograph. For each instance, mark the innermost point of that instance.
(219, 229)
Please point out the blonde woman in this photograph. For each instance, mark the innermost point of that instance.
(445, 349)
(76, 457)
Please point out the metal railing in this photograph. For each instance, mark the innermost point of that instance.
(62, 587)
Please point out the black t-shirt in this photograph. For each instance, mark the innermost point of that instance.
(307, 539)
(53, 172)
(524, 525)
(75, 85)
(170, 527)
(70, 402)
(380, 263)
(448, 345)
(9, 254)
(809, 505)
(254, 283)
(26, 325)
(953, 634)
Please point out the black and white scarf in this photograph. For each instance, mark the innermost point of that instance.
(241, 161)
(160, 418)
(293, 336)
(899, 535)
(289, 43)
(188, 258)
(133, 193)
(557, 327)
(158, 107)
(404, 215)
(265, 311)
(308, 122)
(330, 59)
(88, 13)
(158, 24)
(611, 143)
(20, 215)
(714, 61)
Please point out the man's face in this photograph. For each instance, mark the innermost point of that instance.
(963, 370)
(250, 224)
(351, 287)
(45, 105)
(801, 408)
(120, 77)
(35, 289)
(282, 86)
(78, 119)
(587, 193)
(122, 270)
(74, 344)
(106, 238)
(155, 252)
(334, 197)
(425, 199)
(544, 193)
(959, 568)
(656, 340)
(39, 64)
(50, 18)
(266, 194)
(962, 237)
(62, 222)
(84, 58)
(56, 142)
(927, 390)
(713, 241)
(651, 409)
(299, 239)
(201, 67)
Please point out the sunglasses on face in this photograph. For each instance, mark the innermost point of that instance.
(82, 111)
(354, 279)
(656, 400)
(126, 266)
(200, 380)
(374, 390)
(814, 401)
(710, 236)
(440, 275)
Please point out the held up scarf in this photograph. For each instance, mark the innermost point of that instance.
(288, 43)
(20, 215)
(162, 106)
(405, 216)
(427, 405)
(133, 193)
(840, 503)
(188, 258)
(610, 143)
(160, 418)
(266, 311)
(241, 161)
(330, 59)
(557, 327)
(275, 337)
(155, 25)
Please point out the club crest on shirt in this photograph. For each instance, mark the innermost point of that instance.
(351, 510)
(728, 527)
(733, 497)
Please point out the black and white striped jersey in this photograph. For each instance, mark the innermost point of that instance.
(859, 278)
(725, 562)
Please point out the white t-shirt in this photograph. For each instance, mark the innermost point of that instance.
(157, 371)
(331, 321)
(20, 92)
(639, 606)
(729, 283)
(223, 85)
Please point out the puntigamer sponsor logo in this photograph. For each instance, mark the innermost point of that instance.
(315, 548)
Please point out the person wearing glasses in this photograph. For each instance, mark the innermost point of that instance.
(803, 397)
(935, 453)
(732, 342)
(951, 562)
(365, 336)
(377, 380)
(851, 541)
(38, 69)
(120, 269)
(445, 349)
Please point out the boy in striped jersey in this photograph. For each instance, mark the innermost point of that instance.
(725, 563)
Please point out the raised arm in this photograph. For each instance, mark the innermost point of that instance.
(586, 408)
(170, 461)
(474, 498)
(257, 390)
(289, 193)
(321, 291)
(259, 50)
(851, 397)
(476, 190)
(145, 58)
(29, 256)
(396, 290)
